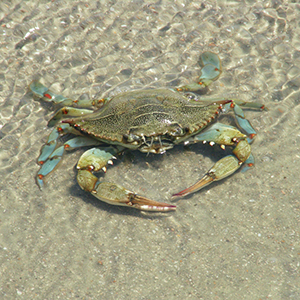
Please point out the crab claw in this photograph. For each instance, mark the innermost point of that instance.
(95, 159)
(223, 168)
(117, 195)
(207, 179)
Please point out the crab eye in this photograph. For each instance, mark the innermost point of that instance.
(131, 138)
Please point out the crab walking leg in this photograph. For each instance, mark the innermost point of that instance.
(51, 161)
(67, 112)
(96, 159)
(240, 118)
(210, 71)
(40, 91)
(60, 129)
(248, 105)
(223, 135)
(50, 145)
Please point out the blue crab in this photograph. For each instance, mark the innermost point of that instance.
(152, 120)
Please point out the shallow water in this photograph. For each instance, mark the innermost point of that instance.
(238, 239)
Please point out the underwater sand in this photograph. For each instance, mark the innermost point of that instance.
(236, 239)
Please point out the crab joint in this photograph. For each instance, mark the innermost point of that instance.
(47, 96)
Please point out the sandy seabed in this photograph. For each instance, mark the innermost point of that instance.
(237, 239)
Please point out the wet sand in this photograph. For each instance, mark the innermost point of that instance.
(236, 239)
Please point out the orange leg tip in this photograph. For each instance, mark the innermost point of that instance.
(40, 176)
(48, 96)
(66, 146)
(180, 194)
(250, 165)
(252, 135)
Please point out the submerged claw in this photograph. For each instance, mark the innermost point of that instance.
(207, 179)
(142, 203)
(117, 195)
(222, 169)
(94, 160)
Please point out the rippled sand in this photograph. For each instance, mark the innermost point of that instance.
(238, 239)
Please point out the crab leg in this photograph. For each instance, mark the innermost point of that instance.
(67, 112)
(50, 157)
(40, 91)
(240, 118)
(210, 71)
(96, 159)
(224, 135)
(51, 143)
(61, 129)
